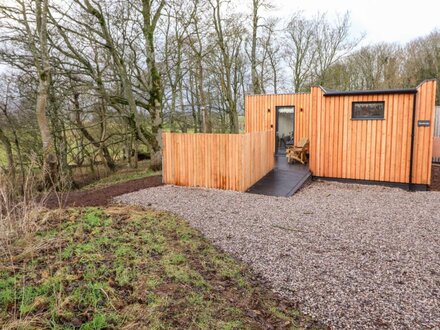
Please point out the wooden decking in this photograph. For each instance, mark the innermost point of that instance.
(284, 180)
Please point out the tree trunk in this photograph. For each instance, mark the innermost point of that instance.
(233, 119)
(10, 157)
(155, 83)
(227, 68)
(59, 136)
(206, 118)
(128, 147)
(17, 146)
(136, 153)
(256, 86)
(49, 154)
(99, 145)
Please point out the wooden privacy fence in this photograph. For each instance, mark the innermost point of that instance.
(436, 144)
(222, 161)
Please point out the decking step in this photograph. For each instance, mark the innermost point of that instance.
(280, 182)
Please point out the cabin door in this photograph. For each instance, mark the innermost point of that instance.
(285, 126)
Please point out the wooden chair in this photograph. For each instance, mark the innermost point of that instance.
(298, 152)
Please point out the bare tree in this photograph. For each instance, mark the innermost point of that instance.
(200, 49)
(423, 60)
(151, 17)
(229, 43)
(301, 49)
(333, 43)
(257, 5)
(36, 40)
(97, 80)
(273, 48)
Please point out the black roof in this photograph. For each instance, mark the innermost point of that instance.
(333, 92)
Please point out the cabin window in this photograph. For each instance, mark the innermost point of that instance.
(368, 110)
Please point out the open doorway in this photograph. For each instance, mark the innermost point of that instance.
(285, 126)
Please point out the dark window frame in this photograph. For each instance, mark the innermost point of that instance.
(277, 107)
(353, 104)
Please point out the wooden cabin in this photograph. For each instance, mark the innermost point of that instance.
(375, 136)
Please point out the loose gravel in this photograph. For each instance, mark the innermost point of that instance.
(359, 257)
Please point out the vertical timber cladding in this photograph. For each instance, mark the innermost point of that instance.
(376, 150)
(436, 143)
(260, 113)
(222, 161)
(424, 135)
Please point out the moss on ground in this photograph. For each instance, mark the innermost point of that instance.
(123, 175)
(126, 267)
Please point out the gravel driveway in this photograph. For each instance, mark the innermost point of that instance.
(352, 256)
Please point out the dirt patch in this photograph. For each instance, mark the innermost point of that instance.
(102, 196)
(435, 182)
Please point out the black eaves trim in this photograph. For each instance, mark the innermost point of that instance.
(332, 92)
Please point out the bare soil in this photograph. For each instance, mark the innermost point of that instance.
(101, 196)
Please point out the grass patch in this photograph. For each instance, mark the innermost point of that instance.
(3, 158)
(123, 175)
(128, 267)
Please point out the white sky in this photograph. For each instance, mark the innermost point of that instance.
(381, 20)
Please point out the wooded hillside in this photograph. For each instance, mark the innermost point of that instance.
(88, 82)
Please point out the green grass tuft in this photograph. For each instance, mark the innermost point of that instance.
(123, 175)
(119, 266)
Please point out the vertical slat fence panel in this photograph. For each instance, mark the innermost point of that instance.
(223, 161)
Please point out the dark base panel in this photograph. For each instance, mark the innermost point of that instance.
(405, 186)
(418, 187)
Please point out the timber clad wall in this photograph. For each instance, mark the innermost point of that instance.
(436, 143)
(423, 136)
(223, 161)
(376, 150)
(260, 112)
(340, 147)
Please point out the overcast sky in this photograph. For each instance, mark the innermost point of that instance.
(384, 20)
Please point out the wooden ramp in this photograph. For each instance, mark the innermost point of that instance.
(284, 180)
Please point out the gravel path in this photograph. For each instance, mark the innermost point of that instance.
(351, 256)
